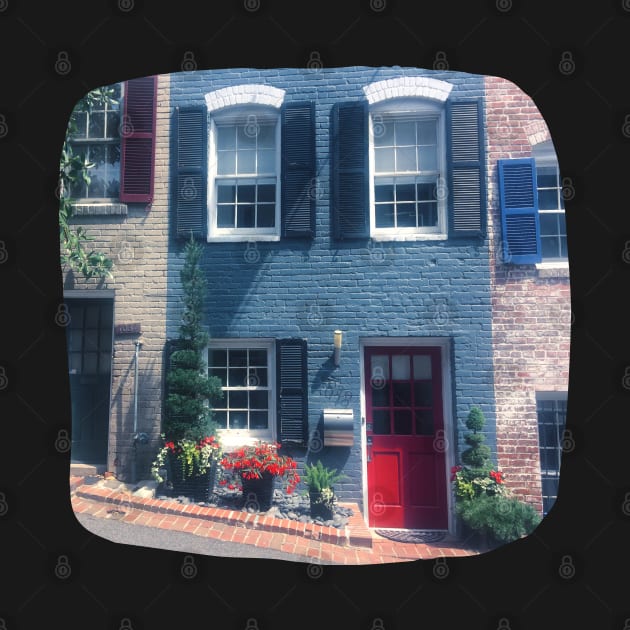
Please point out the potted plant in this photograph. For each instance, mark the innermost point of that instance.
(483, 502)
(319, 481)
(196, 463)
(187, 460)
(254, 468)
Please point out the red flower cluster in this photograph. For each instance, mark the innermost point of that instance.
(497, 476)
(250, 462)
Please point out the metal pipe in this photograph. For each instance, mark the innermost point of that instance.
(135, 415)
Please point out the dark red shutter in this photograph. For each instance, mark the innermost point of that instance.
(137, 130)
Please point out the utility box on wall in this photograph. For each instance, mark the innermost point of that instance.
(338, 427)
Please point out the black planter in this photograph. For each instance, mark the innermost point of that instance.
(258, 493)
(319, 507)
(197, 487)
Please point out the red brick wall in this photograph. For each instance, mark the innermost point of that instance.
(531, 306)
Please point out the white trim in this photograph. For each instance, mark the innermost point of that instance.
(445, 344)
(423, 87)
(549, 264)
(236, 438)
(244, 94)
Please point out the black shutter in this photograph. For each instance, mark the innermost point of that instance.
(350, 170)
(466, 162)
(298, 170)
(191, 164)
(292, 386)
(520, 222)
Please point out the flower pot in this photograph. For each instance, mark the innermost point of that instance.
(319, 506)
(176, 473)
(258, 492)
(203, 484)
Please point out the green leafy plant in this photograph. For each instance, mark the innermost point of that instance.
(483, 501)
(195, 456)
(319, 477)
(500, 519)
(191, 392)
(72, 170)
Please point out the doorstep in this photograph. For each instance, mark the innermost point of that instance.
(354, 534)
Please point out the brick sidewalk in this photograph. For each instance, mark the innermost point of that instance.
(355, 544)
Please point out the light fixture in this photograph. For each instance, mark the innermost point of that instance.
(337, 342)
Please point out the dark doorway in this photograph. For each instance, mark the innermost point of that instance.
(89, 339)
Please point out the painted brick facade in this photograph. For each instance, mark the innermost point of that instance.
(531, 304)
(135, 238)
(308, 288)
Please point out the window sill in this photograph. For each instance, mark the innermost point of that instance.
(99, 209)
(553, 269)
(242, 238)
(408, 237)
(235, 439)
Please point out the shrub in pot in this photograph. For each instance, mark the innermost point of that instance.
(319, 481)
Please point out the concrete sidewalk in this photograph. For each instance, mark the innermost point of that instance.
(354, 544)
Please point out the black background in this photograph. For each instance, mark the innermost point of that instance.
(519, 585)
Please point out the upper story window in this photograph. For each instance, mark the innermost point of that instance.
(532, 209)
(97, 141)
(407, 164)
(553, 231)
(244, 183)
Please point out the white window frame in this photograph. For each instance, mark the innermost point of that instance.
(421, 109)
(238, 114)
(91, 201)
(241, 437)
(544, 155)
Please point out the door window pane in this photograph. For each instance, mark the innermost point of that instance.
(380, 422)
(400, 367)
(421, 366)
(402, 422)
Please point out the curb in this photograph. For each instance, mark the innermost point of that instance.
(355, 534)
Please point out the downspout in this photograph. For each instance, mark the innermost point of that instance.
(141, 438)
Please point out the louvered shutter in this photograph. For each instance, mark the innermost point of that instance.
(292, 386)
(191, 165)
(466, 156)
(298, 170)
(350, 170)
(138, 140)
(519, 211)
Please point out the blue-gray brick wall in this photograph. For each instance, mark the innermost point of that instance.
(308, 288)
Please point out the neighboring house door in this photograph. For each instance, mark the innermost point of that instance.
(405, 433)
(89, 339)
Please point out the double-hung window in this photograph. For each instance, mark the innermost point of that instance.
(407, 164)
(97, 141)
(552, 412)
(244, 173)
(246, 373)
(553, 231)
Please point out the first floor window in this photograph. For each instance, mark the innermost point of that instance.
(552, 412)
(245, 373)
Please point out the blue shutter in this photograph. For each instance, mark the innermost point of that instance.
(298, 170)
(292, 386)
(191, 167)
(467, 178)
(519, 211)
(350, 170)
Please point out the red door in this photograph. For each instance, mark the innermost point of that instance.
(405, 438)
